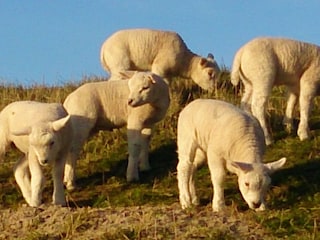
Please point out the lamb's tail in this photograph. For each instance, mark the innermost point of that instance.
(103, 61)
(236, 68)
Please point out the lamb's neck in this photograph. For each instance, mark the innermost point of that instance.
(248, 151)
(189, 63)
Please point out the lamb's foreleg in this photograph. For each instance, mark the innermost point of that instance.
(144, 164)
(217, 173)
(134, 148)
(23, 178)
(58, 196)
(37, 180)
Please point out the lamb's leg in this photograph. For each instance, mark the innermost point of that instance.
(259, 102)
(4, 143)
(288, 118)
(185, 172)
(58, 196)
(69, 171)
(144, 164)
(199, 159)
(307, 93)
(247, 98)
(37, 180)
(81, 134)
(134, 148)
(22, 176)
(217, 173)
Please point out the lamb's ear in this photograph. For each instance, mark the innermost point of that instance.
(240, 166)
(274, 166)
(210, 57)
(152, 78)
(203, 62)
(126, 74)
(58, 124)
(21, 132)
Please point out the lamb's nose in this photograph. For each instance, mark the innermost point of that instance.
(44, 161)
(256, 205)
(130, 100)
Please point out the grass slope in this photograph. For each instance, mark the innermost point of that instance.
(106, 207)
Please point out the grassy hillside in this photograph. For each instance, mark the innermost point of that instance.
(294, 197)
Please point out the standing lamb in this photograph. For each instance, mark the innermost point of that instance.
(41, 131)
(226, 137)
(138, 103)
(161, 52)
(265, 62)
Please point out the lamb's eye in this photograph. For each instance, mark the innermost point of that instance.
(145, 88)
(247, 184)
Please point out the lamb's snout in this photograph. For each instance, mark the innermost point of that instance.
(130, 101)
(44, 162)
(256, 204)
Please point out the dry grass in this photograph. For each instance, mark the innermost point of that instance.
(106, 207)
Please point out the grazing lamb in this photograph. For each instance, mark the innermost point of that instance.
(226, 137)
(265, 62)
(161, 52)
(138, 103)
(41, 131)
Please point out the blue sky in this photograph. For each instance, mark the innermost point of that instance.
(55, 42)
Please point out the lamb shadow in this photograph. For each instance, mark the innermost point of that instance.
(297, 184)
(163, 160)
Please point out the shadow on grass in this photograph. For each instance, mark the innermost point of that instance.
(297, 184)
(163, 161)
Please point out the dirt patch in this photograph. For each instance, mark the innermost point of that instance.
(166, 222)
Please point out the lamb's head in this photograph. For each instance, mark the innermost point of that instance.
(206, 72)
(44, 139)
(254, 180)
(142, 88)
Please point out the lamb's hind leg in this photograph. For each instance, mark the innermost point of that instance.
(185, 172)
(23, 178)
(259, 102)
(288, 118)
(81, 133)
(307, 94)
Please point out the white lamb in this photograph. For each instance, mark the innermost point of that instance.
(265, 62)
(225, 137)
(161, 52)
(41, 131)
(137, 103)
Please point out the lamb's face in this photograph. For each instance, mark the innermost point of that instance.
(253, 186)
(206, 73)
(44, 143)
(141, 87)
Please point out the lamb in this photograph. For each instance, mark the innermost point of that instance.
(138, 102)
(228, 138)
(265, 62)
(161, 52)
(41, 131)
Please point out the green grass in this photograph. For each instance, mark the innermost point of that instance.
(294, 198)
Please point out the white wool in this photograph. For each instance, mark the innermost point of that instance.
(265, 62)
(225, 137)
(161, 52)
(41, 131)
(137, 103)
